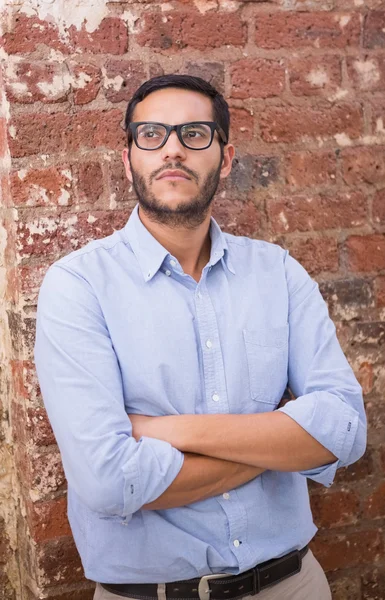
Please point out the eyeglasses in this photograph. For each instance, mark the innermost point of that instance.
(197, 135)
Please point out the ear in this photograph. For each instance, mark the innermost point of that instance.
(228, 155)
(126, 162)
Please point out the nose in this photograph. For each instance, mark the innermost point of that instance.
(173, 148)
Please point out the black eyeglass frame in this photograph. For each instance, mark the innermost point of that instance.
(177, 128)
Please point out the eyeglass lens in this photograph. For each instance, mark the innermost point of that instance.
(151, 135)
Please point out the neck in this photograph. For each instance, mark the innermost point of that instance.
(191, 247)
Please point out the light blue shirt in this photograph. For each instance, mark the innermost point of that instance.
(122, 329)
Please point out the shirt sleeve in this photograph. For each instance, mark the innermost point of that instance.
(82, 390)
(329, 403)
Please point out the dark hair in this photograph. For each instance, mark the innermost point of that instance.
(186, 82)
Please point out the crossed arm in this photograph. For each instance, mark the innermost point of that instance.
(225, 451)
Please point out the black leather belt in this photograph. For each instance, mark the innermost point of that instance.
(218, 587)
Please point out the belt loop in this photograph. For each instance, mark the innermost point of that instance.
(162, 591)
(256, 581)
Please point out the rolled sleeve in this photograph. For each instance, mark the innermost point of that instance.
(329, 403)
(82, 390)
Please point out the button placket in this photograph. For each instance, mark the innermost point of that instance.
(213, 367)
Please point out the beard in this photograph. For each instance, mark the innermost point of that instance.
(189, 214)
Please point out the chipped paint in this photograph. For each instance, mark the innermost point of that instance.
(59, 85)
(367, 71)
(338, 95)
(343, 20)
(205, 6)
(283, 220)
(65, 14)
(317, 77)
(342, 139)
(91, 219)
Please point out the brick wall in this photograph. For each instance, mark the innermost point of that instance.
(305, 80)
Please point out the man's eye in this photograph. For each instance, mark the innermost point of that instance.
(150, 133)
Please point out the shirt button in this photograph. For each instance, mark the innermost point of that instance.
(215, 397)
(226, 496)
(209, 344)
(168, 273)
(236, 543)
(200, 295)
(172, 263)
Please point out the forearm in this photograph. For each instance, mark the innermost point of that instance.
(270, 440)
(203, 477)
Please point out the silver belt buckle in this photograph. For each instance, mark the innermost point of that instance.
(203, 587)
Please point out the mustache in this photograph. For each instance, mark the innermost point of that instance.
(171, 167)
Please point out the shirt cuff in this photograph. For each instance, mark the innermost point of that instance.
(330, 421)
(149, 473)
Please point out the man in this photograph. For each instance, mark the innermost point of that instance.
(163, 352)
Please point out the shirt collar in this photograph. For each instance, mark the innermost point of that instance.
(151, 254)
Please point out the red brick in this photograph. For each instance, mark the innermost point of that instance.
(111, 37)
(177, 30)
(42, 187)
(52, 235)
(345, 588)
(122, 78)
(82, 592)
(379, 289)
(311, 168)
(315, 76)
(363, 165)
(367, 73)
(213, 72)
(86, 80)
(315, 213)
(58, 562)
(3, 137)
(374, 506)
(257, 78)
(301, 30)
(365, 377)
(366, 253)
(294, 123)
(40, 430)
(24, 380)
(374, 29)
(121, 189)
(379, 207)
(346, 298)
(237, 217)
(339, 551)
(359, 470)
(38, 82)
(378, 116)
(373, 585)
(27, 33)
(48, 520)
(242, 125)
(90, 129)
(38, 134)
(315, 254)
(89, 182)
(29, 279)
(335, 509)
(250, 172)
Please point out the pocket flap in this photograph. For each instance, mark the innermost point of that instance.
(275, 337)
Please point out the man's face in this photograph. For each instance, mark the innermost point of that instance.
(176, 201)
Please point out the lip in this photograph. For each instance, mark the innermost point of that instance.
(173, 175)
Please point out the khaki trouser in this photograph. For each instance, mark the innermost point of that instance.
(309, 584)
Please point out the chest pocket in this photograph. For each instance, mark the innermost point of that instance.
(267, 359)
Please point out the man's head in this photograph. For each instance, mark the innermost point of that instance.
(199, 150)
